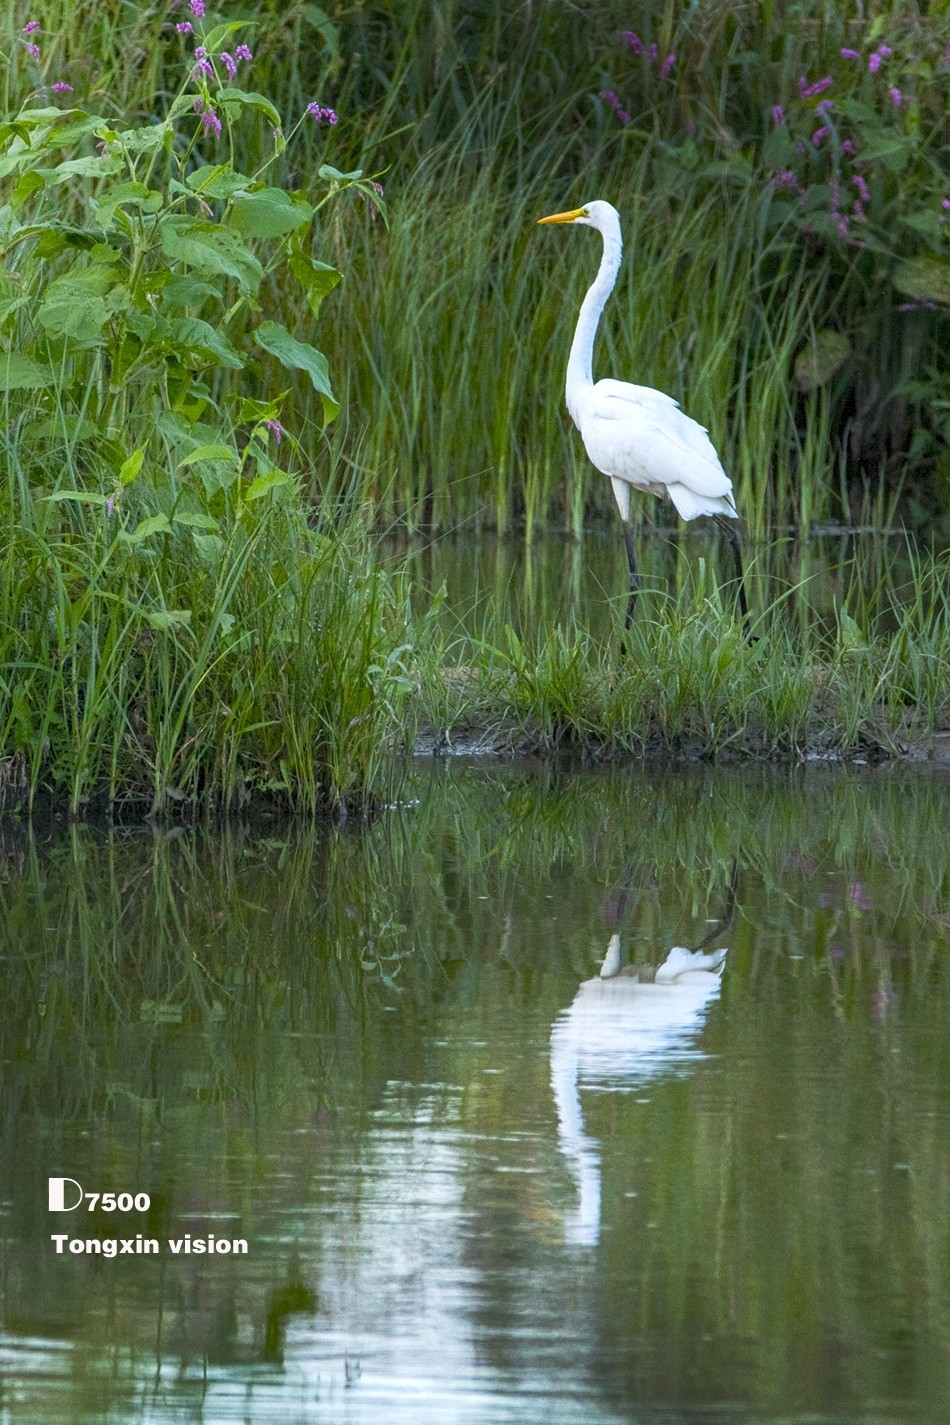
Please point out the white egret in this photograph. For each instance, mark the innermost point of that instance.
(636, 436)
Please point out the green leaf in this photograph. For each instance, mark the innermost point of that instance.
(89, 167)
(272, 480)
(822, 359)
(327, 30)
(187, 291)
(145, 139)
(155, 524)
(250, 100)
(165, 619)
(27, 185)
(218, 180)
(125, 195)
(318, 277)
(194, 519)
(191, 334)
(269, 213)
(208, 452)
(79, 497)
(926, 279)
(211, 248)
(297, 355)
(131, 467)
(215, 37)
(22, 373)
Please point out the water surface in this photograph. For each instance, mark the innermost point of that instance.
(479, 1181)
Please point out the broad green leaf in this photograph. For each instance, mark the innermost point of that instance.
(131, 467)
(318, 277)
(28, 184)
(208, 452)
(324, 26)
(194, 519)
(926, 279)
(297, 355)
(192, 334)
(125, 195)
(822, 359)
(187, 291)
(211, 248)
(22, 373)
(218, 180)
(215, 37)
(269, 213)
(155, 524)
(89, 167)
(145, 139)
(165, 619)
(272, 480)
(250, 100)
(79, 497)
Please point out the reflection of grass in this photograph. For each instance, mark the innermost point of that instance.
(876, 678)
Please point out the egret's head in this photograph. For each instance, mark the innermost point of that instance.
(600, 215)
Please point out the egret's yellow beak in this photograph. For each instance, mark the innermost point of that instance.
(570, 217)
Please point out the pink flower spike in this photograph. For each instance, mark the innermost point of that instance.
(611, 98)
(819, 134)
(184, 28)
(849, 147)
(884, 51)
(229, 63)
(634, 41)
(242, 52)
(322, 114)
(810, 90)
(275, 429)
(850, 54)
(31, 27)
(197, 8)
(778, 114)
(874, 63)
(667, 66)
(945, 202)
(862, 187)
(653, 52)
(897, 97)
(34, 50)
(62, 88)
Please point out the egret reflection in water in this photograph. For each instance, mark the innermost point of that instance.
(628, 1025)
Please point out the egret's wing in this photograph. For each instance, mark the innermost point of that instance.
(639, 434)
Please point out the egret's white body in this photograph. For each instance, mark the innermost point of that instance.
(637, 436)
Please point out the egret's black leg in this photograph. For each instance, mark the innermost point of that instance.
(634, 585)
(729, 911)
(731, 531)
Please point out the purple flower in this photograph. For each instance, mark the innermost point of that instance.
(850, 54)
(373, 209)
(229, 63)
(321, 114)
(858, 898)
(33, 49)
(110, 506)
(184, 28)
(667, 66)
(778, 114)
(212, 124)
(849, 147)
(31, 26)
(897, 97)
(824, 105)
(634, 41)
(242, 52)
(945, 202)
(916, 306)
(275, 429)
(653, 52)
(819, 134)
(786, 179)
(615, 104)
(874, 63)
(859, 182)
(808, 91)
(62, 88)
(884, 51)
(197, 8)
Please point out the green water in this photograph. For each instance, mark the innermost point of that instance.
(477, 1182)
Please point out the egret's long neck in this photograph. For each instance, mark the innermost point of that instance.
(580, 362)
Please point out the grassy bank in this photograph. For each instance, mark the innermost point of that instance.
(686, 682)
